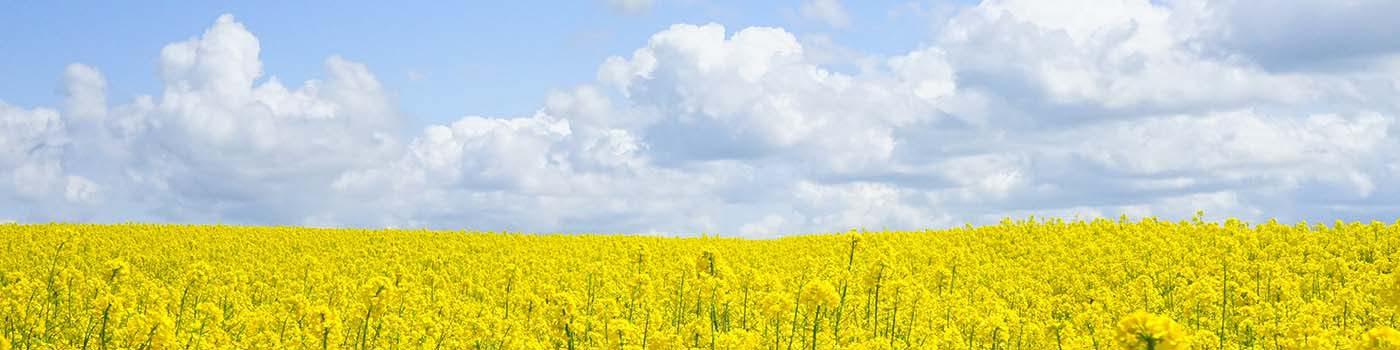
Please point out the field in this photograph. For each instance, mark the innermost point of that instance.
(1033, 284)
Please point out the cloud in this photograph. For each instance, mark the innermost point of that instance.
(630, 7)
(864, 205)
(755, 94)
(1013, 108)
(31, 150)
(34, 182)
(1308, 34)
(221, 142)
(830, 12)
(1104, 56)
(1238, 139)
(85, 95)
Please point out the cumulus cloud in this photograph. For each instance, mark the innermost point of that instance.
(221, 142)
(1109, 57)
(754, 94)
(34, 182)
(1014, 108)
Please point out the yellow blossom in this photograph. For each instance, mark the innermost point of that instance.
(1380, 338)
(1143, 331)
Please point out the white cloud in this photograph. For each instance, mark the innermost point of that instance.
(86, 92)
(1109, 54)
(769, 226)
(220, 142)
(81, 190)
(31, 151)
(830, 12)
(863, 205)
(35, 184)
(759, 95)
(982, 177)
(262, 133)
(1239, 139)
(1015, 107)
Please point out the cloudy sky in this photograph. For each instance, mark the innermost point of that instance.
(685, 116)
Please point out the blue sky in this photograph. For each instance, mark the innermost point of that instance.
(745, 118)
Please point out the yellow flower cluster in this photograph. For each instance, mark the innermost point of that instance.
(1381, 338)
(1142, 330)
(1032, 284)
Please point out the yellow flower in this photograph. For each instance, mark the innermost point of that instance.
(820, 294)
(1391, 294)
(708, 264)
(1049, 284)
(323, 326)
(776, 306)
(1380, 338)
(116, 268)
(1143, 331)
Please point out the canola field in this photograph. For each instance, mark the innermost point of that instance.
(1030, 284)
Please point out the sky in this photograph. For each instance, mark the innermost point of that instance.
(753, 119)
